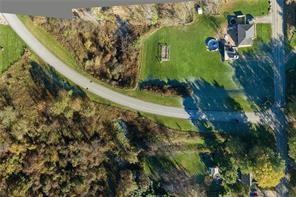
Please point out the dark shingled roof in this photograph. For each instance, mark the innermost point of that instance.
(246, 34)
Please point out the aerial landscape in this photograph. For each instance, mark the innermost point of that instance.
(164, 98)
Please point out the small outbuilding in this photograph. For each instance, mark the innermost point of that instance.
(214, 172)
(199, 9)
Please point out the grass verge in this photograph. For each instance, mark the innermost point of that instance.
(11, 47)
(253, 7)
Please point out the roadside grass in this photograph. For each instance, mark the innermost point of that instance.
(64, 55)
(173, 123)
(190, 162)
(189, 58)
(50, 42)
(253, 7)
(11, 47)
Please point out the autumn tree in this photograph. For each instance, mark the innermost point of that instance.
(269, 169)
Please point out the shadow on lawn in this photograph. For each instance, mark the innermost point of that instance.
(255, 74)
(212, 108)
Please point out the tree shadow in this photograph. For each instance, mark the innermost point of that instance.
(51, 82)
(255, 75)
(212, 108)
(210, 97)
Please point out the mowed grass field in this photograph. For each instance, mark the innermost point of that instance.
(188, 162)
(11, 47)
(253, 7)
(189, 58)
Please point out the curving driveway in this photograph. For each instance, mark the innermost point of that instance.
(113, 96)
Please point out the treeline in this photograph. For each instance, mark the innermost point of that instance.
(54, 141)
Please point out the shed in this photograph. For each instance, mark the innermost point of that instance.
(214, 172)
(200, 10)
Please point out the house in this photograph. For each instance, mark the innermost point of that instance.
(241, 31)
(246, 35)
(214, 172)
(164, 52)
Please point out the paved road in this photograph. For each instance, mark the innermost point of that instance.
(113, 96)
(279, 76)
(278, 51)
(279, 85)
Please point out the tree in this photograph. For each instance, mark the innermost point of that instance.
(268, 169)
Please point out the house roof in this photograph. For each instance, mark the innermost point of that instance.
(245, 34)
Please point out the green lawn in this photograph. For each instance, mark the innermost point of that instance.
(173, 123)
(253, 7)
(190, 162)
(12, 47)
(189, 58)
(263, 33)
(187, 161)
